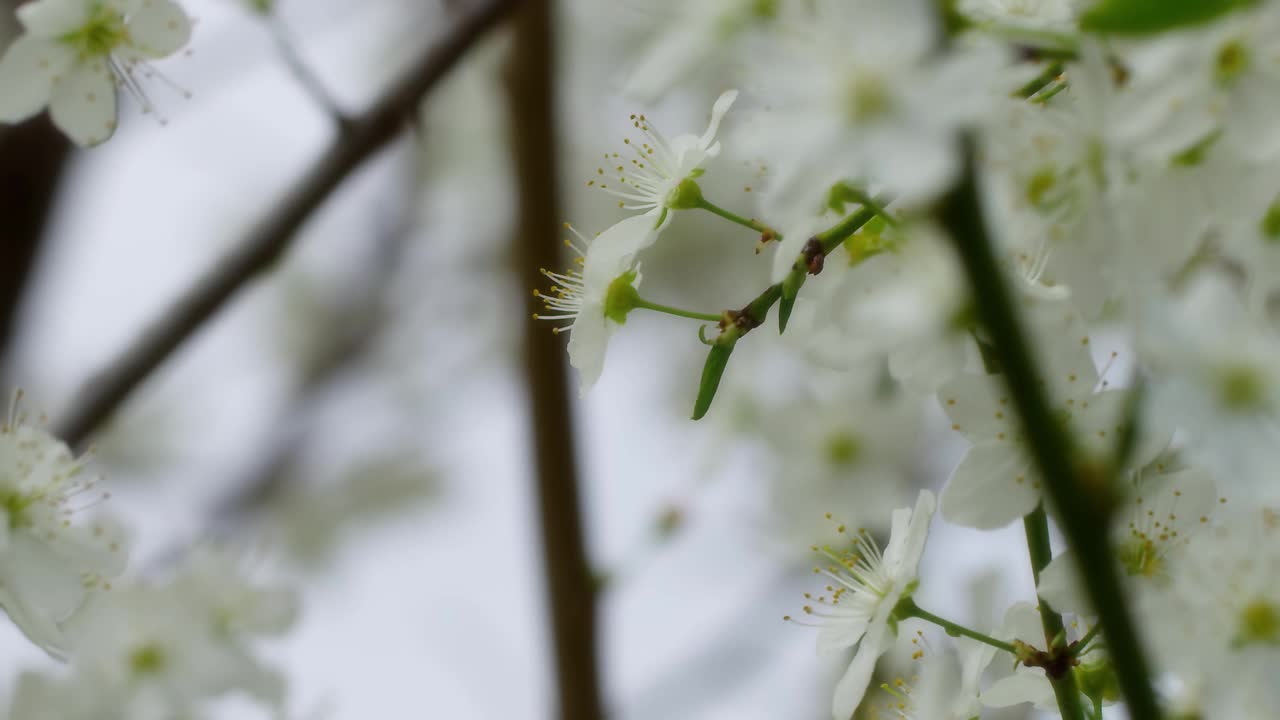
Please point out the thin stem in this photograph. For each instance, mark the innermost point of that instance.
(667, 309)
(302, 72)
(257, 253)
(1082, 645)
(834, 235)
(733, 217)
(909, 608)
(874, 204)
(1041, 81)
(1079, 492)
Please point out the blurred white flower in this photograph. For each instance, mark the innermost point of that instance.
(1024, 14)
(596, 298)
(852, 442)
(1216, 625)
(75, 53)
(51, 557)
(890, 292)
(859, 91)
(867, 587)
(1218, 377)
(1225, 75)
(691, 35)
(159, 650)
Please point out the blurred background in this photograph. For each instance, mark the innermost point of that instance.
(358, 419)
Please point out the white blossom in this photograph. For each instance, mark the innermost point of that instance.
(593, 296)
(74, 54)
(866, 587)
(53, 551)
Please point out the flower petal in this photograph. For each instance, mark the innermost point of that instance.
(84, 104)
(53, 18)
(853, 685)
(1060, 586)
(993, 486)
(1025, 685)
(26, 76)
(978, 406)
(159, 28)
(836, 635)
(723, 103)
(587, 343)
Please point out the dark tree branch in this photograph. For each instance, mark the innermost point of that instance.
(32, 156)
(570, 589)
(368, 133)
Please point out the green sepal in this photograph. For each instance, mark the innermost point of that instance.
(791, 285)
(712, 371)
(621, 298)
(686, 196)
(1147, 17)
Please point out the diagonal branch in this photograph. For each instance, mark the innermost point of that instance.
(368, 133)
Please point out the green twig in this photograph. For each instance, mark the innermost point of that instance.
(908, 608)
(733, 217)
(667, 309)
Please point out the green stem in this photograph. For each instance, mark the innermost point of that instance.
(733, 217)
(1082, 645)
(1079, 492)
(836, 234)
(875, 205)
(908, 608)
(1041, 81)
(667, 309)
(1036, 527)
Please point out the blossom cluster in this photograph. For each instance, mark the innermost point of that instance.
(1124, 155)
(153, 646)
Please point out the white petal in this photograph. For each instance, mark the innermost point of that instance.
(84, 104)
(1022, 621)
(985, 492)
(42, 581)
(26, 76)
(1029, 685)
(587, 343)
(723, 103)
(37, 626)
(159, 28)
(613, 251)
(54, 18)
(853, 685)
(979, 407)
(100, 547)
(917, 534)
(1060, 586)
(836, 635)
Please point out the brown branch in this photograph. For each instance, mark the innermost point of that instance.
(32, 156)
(569, 584)
(369, 132)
